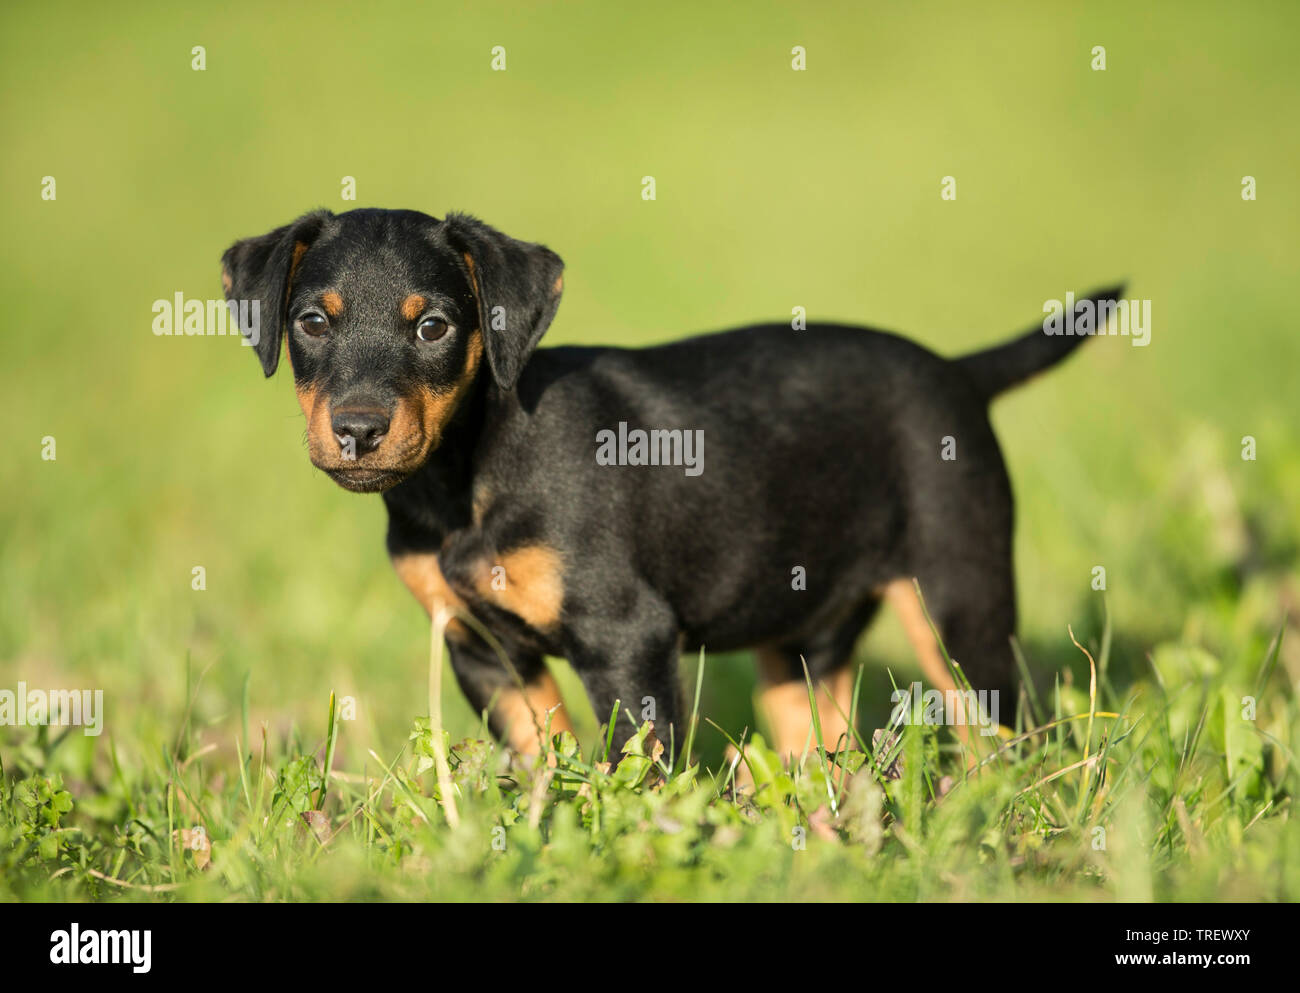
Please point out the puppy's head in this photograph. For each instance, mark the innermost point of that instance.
(390, 318)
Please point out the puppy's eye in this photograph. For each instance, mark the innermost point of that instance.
(313, 324)
(431, 329)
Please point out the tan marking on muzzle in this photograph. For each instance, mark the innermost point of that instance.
(308, 395)
(423, 416)
(415, 429)
(322, 446)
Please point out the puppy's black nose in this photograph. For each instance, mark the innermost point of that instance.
(359, 429)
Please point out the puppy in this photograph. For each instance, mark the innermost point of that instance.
(758, 488)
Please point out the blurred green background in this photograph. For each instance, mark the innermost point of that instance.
(775, 188)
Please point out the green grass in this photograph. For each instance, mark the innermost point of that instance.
(1172, 795)
(775, 189)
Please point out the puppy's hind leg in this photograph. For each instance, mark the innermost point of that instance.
(976, 617)
(783, 689)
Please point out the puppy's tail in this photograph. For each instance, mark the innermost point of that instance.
(996, 369)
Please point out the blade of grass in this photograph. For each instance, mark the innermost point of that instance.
(332, 737)
(609, 730)
(695, 713)
(1092, 713)
(439, 619)
(817, 731)
(1035, 704)
(1270, 660)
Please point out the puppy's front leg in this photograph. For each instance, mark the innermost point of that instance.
(633, 660)
(518, 714)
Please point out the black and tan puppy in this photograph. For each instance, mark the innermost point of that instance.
(760, 488)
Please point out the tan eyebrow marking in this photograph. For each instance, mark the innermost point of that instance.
(333, 303)
(412, 306)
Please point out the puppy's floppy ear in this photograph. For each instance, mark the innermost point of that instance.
(517, 286)
(261, 269)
